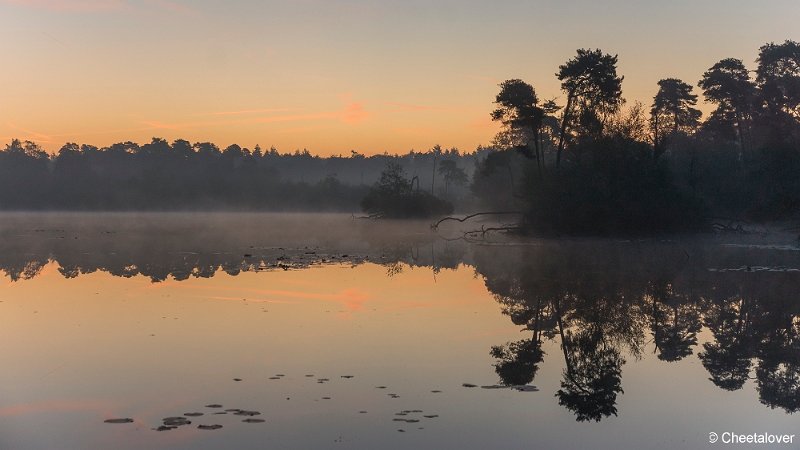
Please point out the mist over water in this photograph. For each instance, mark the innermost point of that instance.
(341, 332)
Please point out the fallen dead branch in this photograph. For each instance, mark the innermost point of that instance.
(470, 216)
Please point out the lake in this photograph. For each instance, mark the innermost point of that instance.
(328, 331)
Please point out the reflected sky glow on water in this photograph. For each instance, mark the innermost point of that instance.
(630, 345)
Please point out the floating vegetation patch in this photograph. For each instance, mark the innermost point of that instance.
(786, 248)
(526, 388)
(122, 420)
(755, 269)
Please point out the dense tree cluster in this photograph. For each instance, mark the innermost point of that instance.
(394, 196)
(181, 175)
(608, 169)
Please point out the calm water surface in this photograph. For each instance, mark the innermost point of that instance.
(343, 333)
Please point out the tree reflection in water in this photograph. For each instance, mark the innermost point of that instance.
(603, 302)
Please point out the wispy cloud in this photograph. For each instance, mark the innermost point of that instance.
(31, 135)
(484, 79)
(156, 125)
(354, 113)
(103, 5)
(172, 6)
(294, 130)
(421, 131)
(247, 111)
(351, 113)
(70, 5)
(407, 107)
(484, 123)
(297, 117)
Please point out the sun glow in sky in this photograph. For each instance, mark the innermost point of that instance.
(336, 75)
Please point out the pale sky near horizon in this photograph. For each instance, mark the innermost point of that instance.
(336, 75)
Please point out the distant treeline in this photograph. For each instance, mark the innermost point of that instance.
(588, 165)
(591, 166)
(180, 175)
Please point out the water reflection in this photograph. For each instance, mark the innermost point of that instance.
(604, 303)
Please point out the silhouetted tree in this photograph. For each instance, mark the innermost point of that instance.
(593, 90)
(728, 357)
(778, 77)
(392, 197)
(778, 372)
(518, 361)
(452, 174)
(728, 85)
(592, 377)
(673, 111)
(519, 111)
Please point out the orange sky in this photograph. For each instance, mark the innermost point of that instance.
(335, 75)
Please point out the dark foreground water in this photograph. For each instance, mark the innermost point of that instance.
(324, 331)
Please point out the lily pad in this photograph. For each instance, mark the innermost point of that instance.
(209, 427)
(526, 388)
(123, 420)
(250, 420)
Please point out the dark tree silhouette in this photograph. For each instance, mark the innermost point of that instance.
(673, 111)
(452, 174)
(518, 361)
(392, 197)
(593, 91)
(522, 117)
(778, 77)
(728, 85)
(593, 377)
(728, 358)
(778, 372)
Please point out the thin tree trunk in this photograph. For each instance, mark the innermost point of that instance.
(563, 132)
(538, 155)
(433, 179)
(656, 141)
